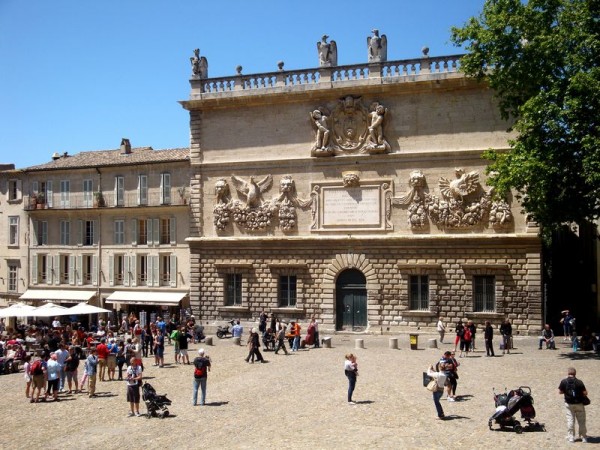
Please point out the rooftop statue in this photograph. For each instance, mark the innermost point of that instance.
(327, 52)
(199, 65)
(377, 47)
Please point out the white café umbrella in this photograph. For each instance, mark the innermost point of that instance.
(84, 308)
(50, 310)
(17, 310)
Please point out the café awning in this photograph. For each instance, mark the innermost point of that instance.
(58, 295)
(146, 298)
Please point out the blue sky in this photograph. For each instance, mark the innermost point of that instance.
(80, 75)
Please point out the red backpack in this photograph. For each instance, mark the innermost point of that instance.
(36, 367)
(467, 335)
(200, 372)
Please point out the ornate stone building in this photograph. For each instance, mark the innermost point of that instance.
(357, 195)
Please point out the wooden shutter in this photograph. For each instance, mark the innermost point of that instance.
(49, 203)
(95, 270)
(34, 269)
(79, 270)
(56, 269)
(72, 270)
(134, 231)
(155, 231)
(111, 270)
(132, 269)
(173, 264)
(173, 230)
(126, 270)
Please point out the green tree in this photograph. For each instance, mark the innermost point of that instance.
(541, 58)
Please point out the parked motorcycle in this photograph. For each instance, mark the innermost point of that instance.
(223, 331)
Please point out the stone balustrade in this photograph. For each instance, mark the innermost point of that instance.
(390, 71)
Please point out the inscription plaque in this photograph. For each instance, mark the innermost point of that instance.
(359, 207)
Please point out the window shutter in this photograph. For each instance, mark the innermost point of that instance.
(34, 187)
(19, 190)
(126, 270)
(134, 231)
(95, 232)
(155, 270)
(80, 232)
(111, 270)
(132, 268)
(139, 190)
(79, 270)
(149, 232)
(34, 269)
(57, 269)
(95, 270)
(173, 264)
(44, 232)
(34, 231)
(49, 194)
(72, 270)
(173, 230)
(155, 231)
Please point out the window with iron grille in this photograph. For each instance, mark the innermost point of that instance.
(287, 290)
(419, 292)
(484, 293)
(233, 289)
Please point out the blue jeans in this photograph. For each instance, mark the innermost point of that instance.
(199, 382)
(63, 375)
(351, 384)
(436, 401)
(296, 345)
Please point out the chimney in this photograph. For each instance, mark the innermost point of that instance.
(125, 146)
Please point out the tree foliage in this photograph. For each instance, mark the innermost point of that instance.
(541, 58)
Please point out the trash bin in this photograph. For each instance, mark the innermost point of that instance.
(414, 341)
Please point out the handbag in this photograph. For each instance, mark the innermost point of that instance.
(426, 379)
(585, 400)
(432, 386)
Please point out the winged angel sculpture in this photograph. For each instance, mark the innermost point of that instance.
(199, 65)
(327, 52)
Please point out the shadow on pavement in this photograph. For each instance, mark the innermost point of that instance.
(579, 355)
(456, 417)
(216, 403)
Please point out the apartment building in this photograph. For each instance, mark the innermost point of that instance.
(105, 227)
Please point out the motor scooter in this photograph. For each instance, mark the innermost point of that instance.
(223, 331)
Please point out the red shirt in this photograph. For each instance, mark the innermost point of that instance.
(102, 350)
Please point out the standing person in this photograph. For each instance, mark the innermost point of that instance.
(254, 345)
(471, 326)
(134, 381)
(465, 341)
(262, 322)
(91, 372)
(574, 392)
(61, 356)
(440, 378)
(121, 359)
(441, 329)
(71, 365)
(102, 351)
(27, 374)
(147, 341)
(53, 369)
(488, 335)
(316, 326)
(237, 330)
(459, 330)
(111, 361)
(182, 343)
(38, 377)
(159, 348)
(201, 369)
(273, 321)
(281, 339)
(296, 332)
(448, 367)
(566, 323)
(506, 332)
(175, 337)
(351, 371)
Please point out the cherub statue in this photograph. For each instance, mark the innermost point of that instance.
(251, 189)
(199, 65)
(327, 52)
(377, 47)
(320, 120)
(376, 141)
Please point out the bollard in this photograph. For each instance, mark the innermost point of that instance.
(326, 342)
(237, 341)
(208, 340)
(432, 343)
(393, 344)
(414, 341)
(359, 343)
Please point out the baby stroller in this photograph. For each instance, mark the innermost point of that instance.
(507, 405)
(156, 405)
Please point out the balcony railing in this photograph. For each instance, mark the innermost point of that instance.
(80, 200)
(390, 71)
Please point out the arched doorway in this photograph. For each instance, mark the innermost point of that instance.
(351, 300)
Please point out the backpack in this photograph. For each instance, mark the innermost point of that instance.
(571, 390)
(36, 367)
(200, 372)
(467, 335)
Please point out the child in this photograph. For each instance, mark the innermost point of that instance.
(27, 374)
(351, 371)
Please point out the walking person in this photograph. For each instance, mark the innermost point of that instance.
(316, 336)
(202, 365)
(134, 381)
(296, 332)
(575, 394)
(351, 371)
(281, 340)
(506, 332)
(459, 330)
(488, 336)
(441, 329)
(91, 372)
(440, 378)
(465, 341)
(254, 346)
(71, 365)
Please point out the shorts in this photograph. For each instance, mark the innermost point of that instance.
(72, 375)
(183, 352)
(53, 386)
(133, 393)
(111, 362)
(101, 363)
(176, 346)
(37, 381)
(159, 352)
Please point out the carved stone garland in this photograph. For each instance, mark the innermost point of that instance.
(464, 203)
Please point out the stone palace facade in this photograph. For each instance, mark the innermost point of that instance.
(357, 195)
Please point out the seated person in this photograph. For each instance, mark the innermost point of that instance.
(269, 340)
(547, 337)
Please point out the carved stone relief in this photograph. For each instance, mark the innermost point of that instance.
(349, 129)
(253, 212)
(350, 179)
(463, 203)
(199, 65)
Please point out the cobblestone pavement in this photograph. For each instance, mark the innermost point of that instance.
(299, 401)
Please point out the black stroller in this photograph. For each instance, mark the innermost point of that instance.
(507, 405)
(156, 405)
